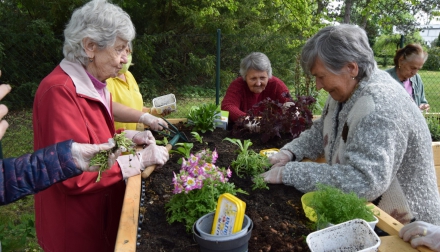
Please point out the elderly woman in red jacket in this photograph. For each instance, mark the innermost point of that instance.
(254, 85)
(72, 102)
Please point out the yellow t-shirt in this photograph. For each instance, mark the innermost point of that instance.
(126, 93)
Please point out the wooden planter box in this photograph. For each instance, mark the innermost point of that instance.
(133, 207)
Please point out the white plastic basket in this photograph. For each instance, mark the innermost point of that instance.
(354, 235)
(164, 102)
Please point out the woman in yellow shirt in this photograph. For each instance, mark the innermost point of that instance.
(125, 90)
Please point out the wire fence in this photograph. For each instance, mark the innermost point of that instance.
(185, 65)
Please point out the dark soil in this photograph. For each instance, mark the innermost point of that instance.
(277, 215)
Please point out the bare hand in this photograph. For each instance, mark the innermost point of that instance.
(424, 106)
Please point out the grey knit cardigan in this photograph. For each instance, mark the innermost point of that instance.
(378, 146)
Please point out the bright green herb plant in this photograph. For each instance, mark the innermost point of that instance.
(197, 188)
(101, 158)
(203, 118)
(197, 136)
(333, 206)
(248, 162)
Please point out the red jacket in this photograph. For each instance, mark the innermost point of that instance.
(239, 99)
(77, 214)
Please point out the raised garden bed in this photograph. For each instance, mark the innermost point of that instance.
(279, 221)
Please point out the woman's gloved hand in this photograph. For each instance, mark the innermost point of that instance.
(281, 158)
(83, 153)
(274, 175)
(152, 121)
(421, 233)
(140, 137)
(153, 154)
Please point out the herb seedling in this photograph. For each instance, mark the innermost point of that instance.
(331, 205)
(101, 158)
(197, 136)
(248, 162)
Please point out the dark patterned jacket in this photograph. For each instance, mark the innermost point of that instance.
(35, 172)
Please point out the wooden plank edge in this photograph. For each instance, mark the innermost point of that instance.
(127, 231)
(390, 225)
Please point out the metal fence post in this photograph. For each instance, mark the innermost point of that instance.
(217, 69)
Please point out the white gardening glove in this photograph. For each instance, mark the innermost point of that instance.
(421, 233)
(281, 158)
(153, 154)
(274, 175)
(83, 153)
(140, 137)
(152, 121)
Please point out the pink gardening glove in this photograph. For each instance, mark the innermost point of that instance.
(281, 158)
(152, 121)
(83, 153)
(421, 233)
(140, 137)
(153, 154)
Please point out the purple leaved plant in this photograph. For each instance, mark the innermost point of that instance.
(273, 119)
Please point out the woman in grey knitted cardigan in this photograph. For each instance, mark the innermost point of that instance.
(373, 136)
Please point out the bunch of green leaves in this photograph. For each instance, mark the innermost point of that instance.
(248, 162)
(333, 206)
(183, 149)
(101, 158)
(203, 117)
(433, 121)
(197, 188)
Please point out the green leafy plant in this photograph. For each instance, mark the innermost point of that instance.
(332, 205)
(248, 162)
(101, 158)
(433, 121)
(197, 136)
(197, 188)
(203, 118)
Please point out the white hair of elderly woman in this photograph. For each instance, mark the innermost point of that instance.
(100, 21)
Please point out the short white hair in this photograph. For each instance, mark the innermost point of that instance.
(100, 21)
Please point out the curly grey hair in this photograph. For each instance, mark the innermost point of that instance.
(100, 21)
(257, 61)
(338, 45)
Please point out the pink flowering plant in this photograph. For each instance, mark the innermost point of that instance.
(197, 188)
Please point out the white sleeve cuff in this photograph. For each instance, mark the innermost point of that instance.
(130, 165)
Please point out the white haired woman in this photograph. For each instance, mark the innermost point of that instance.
(373, 136)
(255, 84)
(72, 102)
